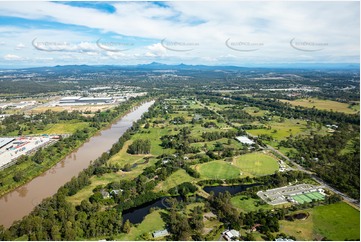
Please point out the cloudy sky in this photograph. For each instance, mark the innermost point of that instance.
(210, 33)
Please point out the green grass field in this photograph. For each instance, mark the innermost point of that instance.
(324, 105)
(174, 180)
(282, 130)
(122, 157)
(61, 128)
(254, 111)
(256, 164)
(198, 130)
(210, 144)
(154, 136)
(218, 170)
(337, 221)
(248, 205)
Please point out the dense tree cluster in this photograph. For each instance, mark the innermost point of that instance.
(325, 155)
(225, 211)
(139, 146)
(183, 189)
(184, 226)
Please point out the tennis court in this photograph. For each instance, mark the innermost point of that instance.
(319, 195)
(308, 197)
(298, 199)
(312, 196)
(305, 198)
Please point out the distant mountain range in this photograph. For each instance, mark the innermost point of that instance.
(161, 66)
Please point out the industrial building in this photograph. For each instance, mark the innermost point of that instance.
(5, 141)
(12, 148)
(86, 100)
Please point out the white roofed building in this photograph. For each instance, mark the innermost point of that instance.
(245, 140)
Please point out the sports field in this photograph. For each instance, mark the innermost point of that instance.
(256, 164)
(308, 197)
(218, 170)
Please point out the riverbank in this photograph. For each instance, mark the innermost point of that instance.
(22, 200)
(7, 184)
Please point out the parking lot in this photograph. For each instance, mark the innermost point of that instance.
(299, 193)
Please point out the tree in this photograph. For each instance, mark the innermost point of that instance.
(69, 231)
(127, 226)
(249, 237)
(139, 146)
(18, 176)
(55, 233)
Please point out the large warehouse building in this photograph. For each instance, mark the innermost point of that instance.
(5, 141)
(85, 100)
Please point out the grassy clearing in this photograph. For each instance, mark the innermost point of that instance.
(174, 180)
(103, 180)
(197, 130)
(68, 127)
(122, 157)
(356, 107)
(248, 205)
(82, 108)
(335, 222)
(191, 206)
(349, 147)
(280, 131)
(62, 128)
(256, 164)
(154, 136)
(324, 105)
(210, 144)
(254, 111)
(218, 107)
(218, 170)
(151, 223)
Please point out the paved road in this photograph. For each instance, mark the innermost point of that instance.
(298, 167)
(319, 180)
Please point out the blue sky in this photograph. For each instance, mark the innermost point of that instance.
(209, 33)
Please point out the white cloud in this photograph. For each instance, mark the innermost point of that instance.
(11, 57)
(272, 23)
(19, 46)
(156, 50)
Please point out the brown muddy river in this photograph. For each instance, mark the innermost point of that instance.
(20, 202)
